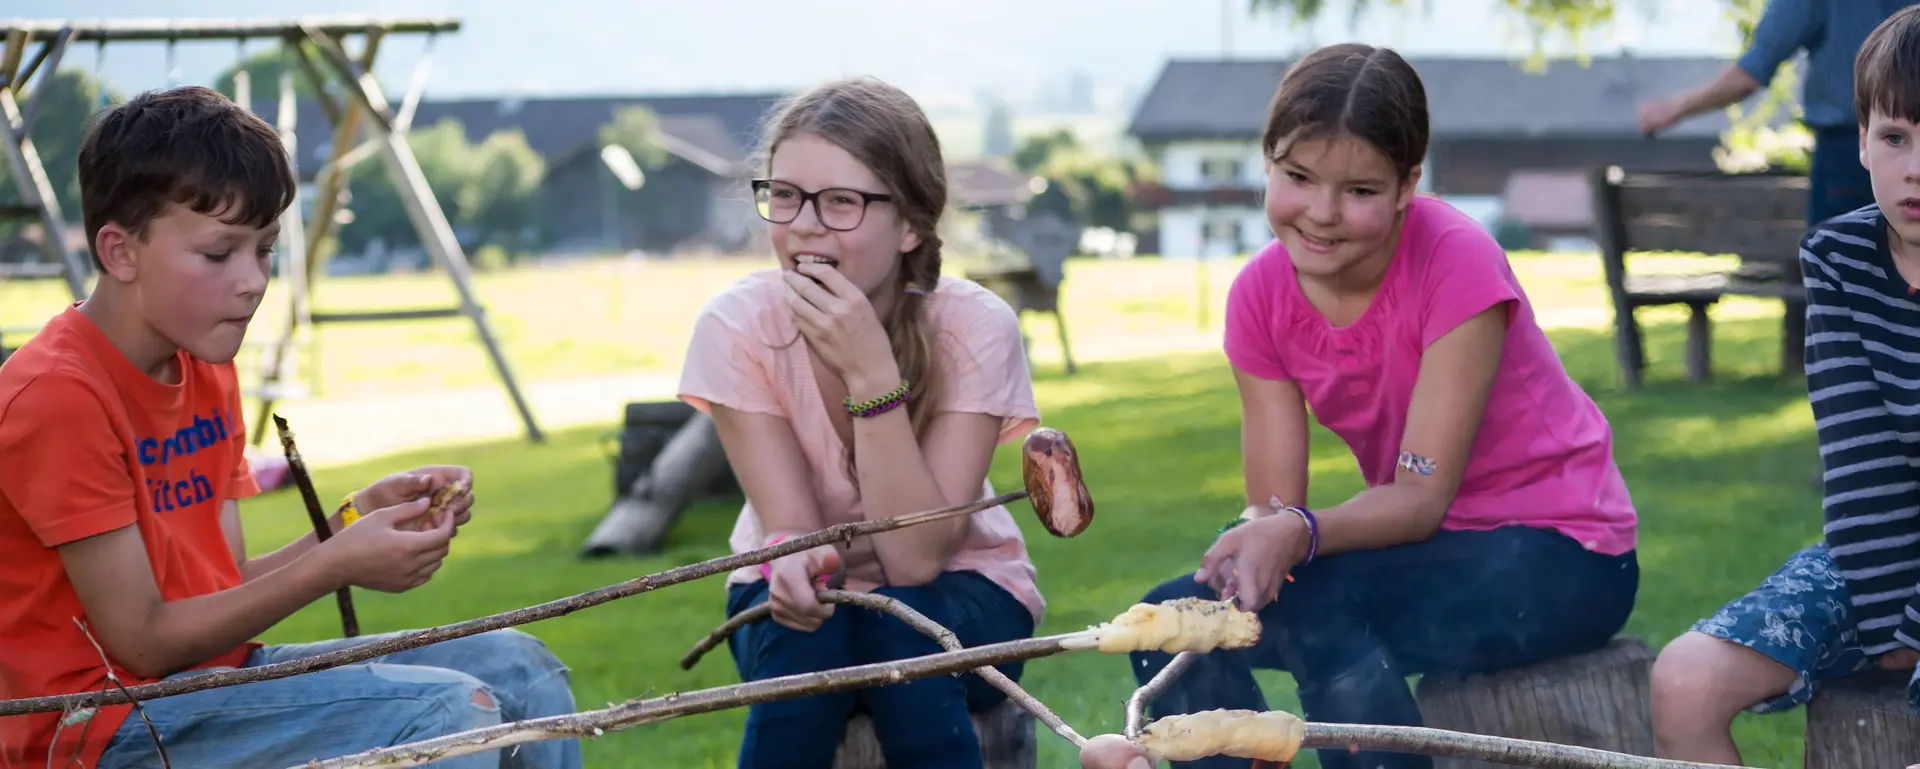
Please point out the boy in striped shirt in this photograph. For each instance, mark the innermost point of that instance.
(1847, 603)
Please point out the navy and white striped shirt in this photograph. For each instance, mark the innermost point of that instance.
(1863, 379)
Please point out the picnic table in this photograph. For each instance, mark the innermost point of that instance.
(1030, 269)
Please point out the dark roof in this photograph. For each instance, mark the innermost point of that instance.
(721, 127)
(1466, 97)
(988, 182)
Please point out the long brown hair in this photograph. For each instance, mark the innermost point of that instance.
(885, 129)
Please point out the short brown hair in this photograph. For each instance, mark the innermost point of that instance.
(189, 146)
(1358, 90)
(1886, 71)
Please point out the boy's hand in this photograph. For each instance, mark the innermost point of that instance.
(419, 483)
(375, 553)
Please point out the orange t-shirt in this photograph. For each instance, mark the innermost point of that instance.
(90, 444)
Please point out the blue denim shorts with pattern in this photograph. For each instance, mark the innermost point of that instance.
(1801, 616)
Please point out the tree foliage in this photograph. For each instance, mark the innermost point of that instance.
(1750, 141)
(488, 192)
(1084, 184)
(60, 122)
(636, 128)
(264, 68)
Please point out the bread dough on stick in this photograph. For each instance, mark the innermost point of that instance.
(1272, 735)
(1180, 625)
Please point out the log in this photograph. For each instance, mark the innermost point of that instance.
(690, 464)
(1006, 732)
(1862, 720)
(1599, 700)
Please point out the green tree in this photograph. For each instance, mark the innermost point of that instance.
(499, 201)
(636, 128)
(1574, 19)
(1083, 185)
(1034, 151)
(59, 123)
(264, 68)
(445, 158)
(1750, 134)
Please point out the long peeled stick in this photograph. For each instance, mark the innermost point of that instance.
(297, 466)
(1279, 736)
(1175, 626)
(914, 619)
(1062, 503)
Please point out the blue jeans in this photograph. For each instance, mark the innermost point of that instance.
(1837, 183)
(397, 698)
(921, 723)
(1351, 627)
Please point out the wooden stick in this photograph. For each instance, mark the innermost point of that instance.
(114, 678)
(349, 623)
(1421, 740)
(594, 723)
(637, 712)
(1499, 750)
(1137, 704)
(915, 620)
(417, 638)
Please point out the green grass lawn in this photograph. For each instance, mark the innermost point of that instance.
(605, 316)
(1723, 476)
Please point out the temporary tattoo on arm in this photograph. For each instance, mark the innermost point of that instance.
(1416, 463)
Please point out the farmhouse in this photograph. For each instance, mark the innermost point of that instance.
(1494, 124)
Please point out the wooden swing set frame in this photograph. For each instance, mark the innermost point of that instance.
(317, 49)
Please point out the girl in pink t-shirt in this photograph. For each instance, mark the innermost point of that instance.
(855, 382)
(1495, 530)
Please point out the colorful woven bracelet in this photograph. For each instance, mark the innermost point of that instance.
(880, 405)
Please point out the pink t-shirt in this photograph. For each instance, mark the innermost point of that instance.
(743, 355)
(1544, 453)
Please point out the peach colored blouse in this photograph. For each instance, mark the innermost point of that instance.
(740, 357)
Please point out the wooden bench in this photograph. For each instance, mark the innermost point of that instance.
(1007, 740)
(1862, 721)
(1758, 217)
(1598, 700)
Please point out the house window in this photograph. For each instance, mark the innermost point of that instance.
(1222, 236)
(1220, 171)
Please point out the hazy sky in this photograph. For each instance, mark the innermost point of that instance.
(940, 49)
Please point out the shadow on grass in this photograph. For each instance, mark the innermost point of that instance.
(1723, 476)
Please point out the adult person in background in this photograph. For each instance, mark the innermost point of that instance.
(1830, 31)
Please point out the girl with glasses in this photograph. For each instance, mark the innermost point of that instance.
(855, 382)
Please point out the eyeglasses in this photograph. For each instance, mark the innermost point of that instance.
(837, 208)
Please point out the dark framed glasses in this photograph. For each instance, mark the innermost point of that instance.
(838, 208)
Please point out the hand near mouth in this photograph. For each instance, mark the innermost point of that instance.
(842, 328)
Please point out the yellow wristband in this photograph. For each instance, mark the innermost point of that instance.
(349, 513)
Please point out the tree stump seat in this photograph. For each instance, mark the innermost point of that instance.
(1862, 721)
(1006, 732)
(1599, 699)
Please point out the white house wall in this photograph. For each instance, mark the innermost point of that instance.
(1183, 232)
(1181, 163)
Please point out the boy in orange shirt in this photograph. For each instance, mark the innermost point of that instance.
(120, 469)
